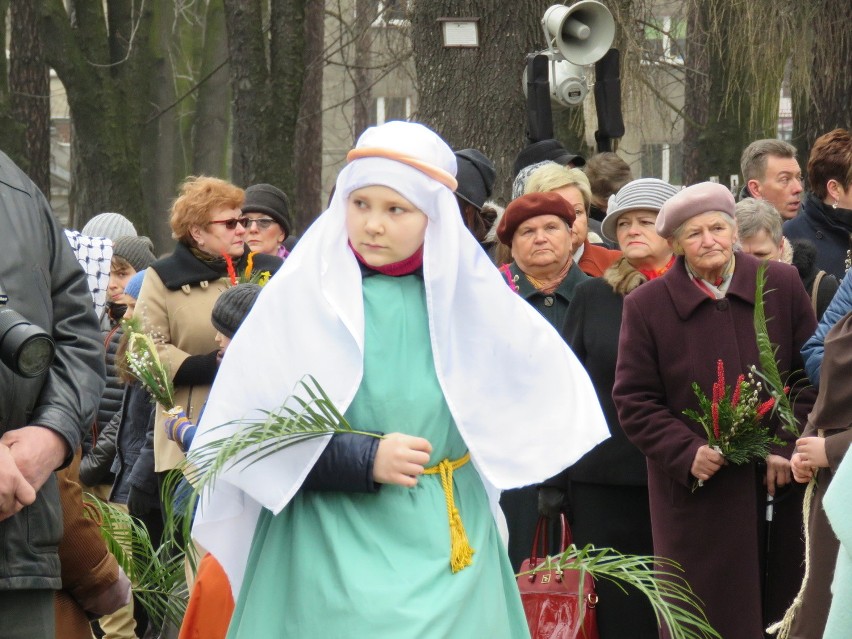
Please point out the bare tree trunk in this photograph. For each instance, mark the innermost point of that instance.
(474, 97)
(728, 103)
(365, 15)
(251, 103)
(210, 139)
(830, 104)
(696, 92)
(160, 145)
(308, 144)
(104, 97)
(29, 80)
(12, 132)
(287, 64)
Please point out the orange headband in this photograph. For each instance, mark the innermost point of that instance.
(434, 172)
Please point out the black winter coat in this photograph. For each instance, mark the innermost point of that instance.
(829, 229)
(114, 390)
(45, 284)
(137, 412)
(591, 330)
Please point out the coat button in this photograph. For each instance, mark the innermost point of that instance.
(548, 301)
(722, 305)
(819, 235)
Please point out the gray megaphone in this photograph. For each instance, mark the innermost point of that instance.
(582, 33)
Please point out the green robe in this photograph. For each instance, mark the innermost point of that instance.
(334, 565)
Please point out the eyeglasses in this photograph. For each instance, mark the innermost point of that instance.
(263, 223)
(229, 224)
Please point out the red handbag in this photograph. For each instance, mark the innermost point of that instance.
(552, 599)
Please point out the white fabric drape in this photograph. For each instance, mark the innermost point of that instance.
(523, 403)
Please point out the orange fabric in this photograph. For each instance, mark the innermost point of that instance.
(596, 259)
(434, 172)
(211, 604)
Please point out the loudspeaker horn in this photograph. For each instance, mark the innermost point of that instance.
(582, 33)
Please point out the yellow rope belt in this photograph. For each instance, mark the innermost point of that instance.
(461, 554)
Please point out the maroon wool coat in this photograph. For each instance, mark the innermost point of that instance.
(672, 334)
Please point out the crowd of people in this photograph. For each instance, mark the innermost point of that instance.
(496, 365)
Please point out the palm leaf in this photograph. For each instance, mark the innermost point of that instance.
(307, 414)
(674, 603)
(769, 372)
(157, 574)
(310, 413)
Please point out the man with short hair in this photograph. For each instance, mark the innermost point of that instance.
(771, 172)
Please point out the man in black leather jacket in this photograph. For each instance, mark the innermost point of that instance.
(41, 418)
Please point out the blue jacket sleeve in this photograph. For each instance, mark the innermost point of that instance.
(813, 349)
(346, 465)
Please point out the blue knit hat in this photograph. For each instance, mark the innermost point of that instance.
(134, 284)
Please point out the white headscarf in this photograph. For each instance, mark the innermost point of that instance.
(523, 403)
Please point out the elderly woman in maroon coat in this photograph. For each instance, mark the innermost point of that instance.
(674, 329)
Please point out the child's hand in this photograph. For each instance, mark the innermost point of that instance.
(812, 451)
(400, 459)
(802, 472)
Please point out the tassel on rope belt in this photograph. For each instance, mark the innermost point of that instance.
(461, 554)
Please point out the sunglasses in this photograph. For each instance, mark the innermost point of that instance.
(263, 223)
(229, 224)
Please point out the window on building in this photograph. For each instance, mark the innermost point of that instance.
(663, 161)
(386, 109)
(665, 40)
(393, 12)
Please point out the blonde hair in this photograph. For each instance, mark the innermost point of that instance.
(200, 197)
(551, 177)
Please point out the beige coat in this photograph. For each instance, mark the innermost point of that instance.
(179, 323)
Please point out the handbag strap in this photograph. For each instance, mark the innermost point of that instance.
(541, 535)
(567, 537)
(541, 527)
(815, 291)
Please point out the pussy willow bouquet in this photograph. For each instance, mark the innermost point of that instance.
(145, 364)
(732, 417)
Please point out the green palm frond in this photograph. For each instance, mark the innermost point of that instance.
(310, 413)
(307, 414)
(157, 574)
(673, 601)
(769, 372)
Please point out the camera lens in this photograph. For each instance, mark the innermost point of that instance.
(24, 347)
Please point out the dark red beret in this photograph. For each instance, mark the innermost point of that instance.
(532, 205)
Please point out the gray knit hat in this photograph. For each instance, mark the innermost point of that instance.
(233, 305)
(265, 198)
(138, 251)
(645, 193)
(111, 225)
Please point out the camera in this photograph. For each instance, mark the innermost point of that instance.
(24, 347)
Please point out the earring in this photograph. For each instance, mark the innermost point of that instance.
(836, 202)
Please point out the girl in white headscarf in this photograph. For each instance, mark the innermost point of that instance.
(390, 303)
